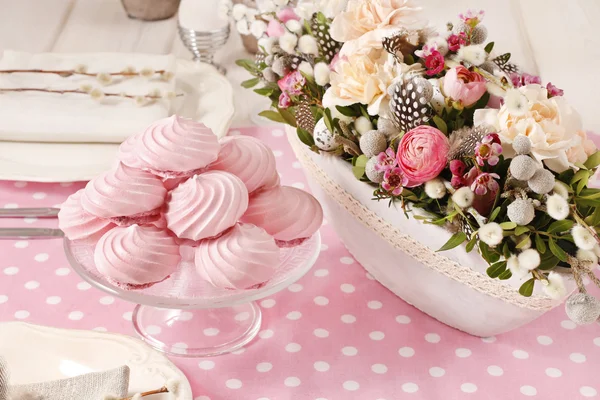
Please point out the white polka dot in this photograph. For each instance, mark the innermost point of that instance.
(32, 285)
(544, 340)
(20, 184)
(266, 334)
(11, 270)
(127, 315)
(597, 341)
(520, 354)
(206, 364)
(374, 305)
(370, 277)
(295, 287)
(11, 205)
(462, 353)
(66, 184)
(62, 271)
(22, 314)
(321, 366)
(233, 383)
(41, 257)
(351, 385)
(528, 390)
(243, 316)
(277, 153)
(3, 298)
(324, 247)
(437, 372)
(39, 195)
(267, 303)
(277, 132)
(100, 329)
(210, 332)
(406, 352)
(432, 338)
(239, 351)
(321, 333)
(293, 347)
(553, 372)
(468, 387)
(202, 398)
(107, 300)
(298, 185)
(587, 391)
(578, 358)
(349, 351)
(321, 273)
(348, 319)
(347, 288)
(83, 286)
(321, 300)
(495, 370)
(294, 315)
(403, 319)
(490, 339)
(347, 260)
(292, 381)
(410, 387)
(185, 316)
(296, 165)
(377, 335)
(264, 367)
(75, 315)
(21, 244)
(30, 220)
(53, 300)
(568, 324)
(379, 368)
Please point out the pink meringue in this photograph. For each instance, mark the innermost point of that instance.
(206, 205)
(288, 214)
(250, 160)
(78, 224)
(127, 154)
(175, 147)
(136, 257)
(243, 258)
(125, 195)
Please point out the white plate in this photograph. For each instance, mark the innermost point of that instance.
(209, 98)
(37, 353)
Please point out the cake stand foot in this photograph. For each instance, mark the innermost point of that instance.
(199, 332)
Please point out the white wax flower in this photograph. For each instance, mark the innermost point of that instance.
(322, 74)
(306, 68)
(239, 11)
(557, 207)
(555, 288)
(258, 28)
(288, 42)
(491, 234)
(583, 238)
(308, 45)
(463, 197)
(474, 54)
(362, 125)
(435, 188)
(529, 259)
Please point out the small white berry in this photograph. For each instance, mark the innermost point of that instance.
(463, 197)
(557, 207)
(529, 259)
(491, 234)
(435, 188)
(362, 125)
(583, 238)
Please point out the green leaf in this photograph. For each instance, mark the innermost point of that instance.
(556, 250)
(582, 184)
(593, 161)
(548, 262)
(264, 91)
(489, 47)
(540, 245)
(487, 253)
(441, 124)
(496, 269)
(248, 65)
(305, 137)
(594, 218)
(507, 274)
(506, 250)
(494, 214)
(526, 289)
(347, 111)
(288, 117)
(454, 241)
(359, 165)
(251, 83)
(508, 225)
(272, 115)
(523, 243)
(579, 176)
(560, 226)
(328, 120)
(519, 230)
(471, 244)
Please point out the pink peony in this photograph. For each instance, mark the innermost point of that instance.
(394, 181)
(435, 63)
(292, 84)
(284, 100)
(463, 86)
(455, 42)
(275, 29)
(422, 154)
(386, 160)
(287, 14)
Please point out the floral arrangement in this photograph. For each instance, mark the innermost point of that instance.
(437, 122)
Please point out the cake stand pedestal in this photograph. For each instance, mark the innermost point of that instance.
(186, 316)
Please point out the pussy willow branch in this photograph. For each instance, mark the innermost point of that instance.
(150, 392)
(69, 72)
(76, 91)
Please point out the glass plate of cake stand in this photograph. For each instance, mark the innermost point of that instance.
(186, 316)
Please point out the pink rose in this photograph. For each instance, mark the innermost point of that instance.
(284, 100)
(275, 29)
(455, 42)
(422, 154)
(292, 84)
(287, 14)
(464, 86)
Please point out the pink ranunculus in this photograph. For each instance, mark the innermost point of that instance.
(292, 84)
(287, 14)
(422, 154)
(434, 63)
(464, 86)
(284, 100)
(455, 42)
(275, 29)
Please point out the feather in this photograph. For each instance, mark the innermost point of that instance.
(463, 141)
(3, 380)
(409, 104)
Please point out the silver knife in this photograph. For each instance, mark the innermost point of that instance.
(28, 212)
(30, 233)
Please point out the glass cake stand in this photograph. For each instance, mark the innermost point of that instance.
(186, 316)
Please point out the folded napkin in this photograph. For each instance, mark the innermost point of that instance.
(51, 117)
(92, 386)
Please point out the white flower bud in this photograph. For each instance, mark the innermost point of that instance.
(242, 27)
(140, 101)
(516, 102)
(294, 26)
(440, 43)
(258, 28)
(555, 287)
(306, 68)
(583, 238)
(474, 54)
(529, 259)
(587, 256)
(288, 42)
(435, 188)
(86, 87)
(81, 69)
(557, 207)
(146, 72)
(362, 125)
(491, 234)
(308, 45)
(239, 11)
(104, 78)
(463, 197)
(322, 74)
(266, 44)
(561, 189)
(336, 114)
(97, 94)
(513, 265)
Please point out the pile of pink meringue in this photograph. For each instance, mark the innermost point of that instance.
(175, 185)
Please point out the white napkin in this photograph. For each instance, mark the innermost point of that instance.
(51, 117)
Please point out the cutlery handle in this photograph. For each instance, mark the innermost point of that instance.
(29, 212)
(30, 233)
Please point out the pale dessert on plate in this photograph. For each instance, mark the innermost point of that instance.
(78, 224)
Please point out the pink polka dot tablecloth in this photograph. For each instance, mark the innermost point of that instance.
(335, 334)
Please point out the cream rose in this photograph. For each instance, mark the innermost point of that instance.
(552, 125)
(361, 79)
(365, 23)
